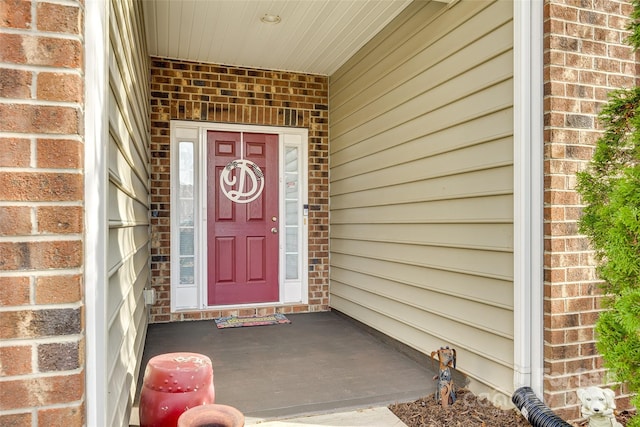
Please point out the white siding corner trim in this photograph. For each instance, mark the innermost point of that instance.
(528, 195)
(95, 174)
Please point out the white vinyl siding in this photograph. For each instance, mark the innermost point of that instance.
(421, 184)
(128, 206)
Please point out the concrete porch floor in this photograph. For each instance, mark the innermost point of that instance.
(319, 363)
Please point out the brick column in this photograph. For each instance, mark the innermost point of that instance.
(41, 214)
(585, 58)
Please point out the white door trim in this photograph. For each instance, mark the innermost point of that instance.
(189, 297)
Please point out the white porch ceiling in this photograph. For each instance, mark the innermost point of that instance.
(314, 36)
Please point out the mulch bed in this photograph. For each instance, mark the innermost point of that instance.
(467, 411)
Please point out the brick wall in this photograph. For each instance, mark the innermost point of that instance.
(214, 93)
(41, 214)
(585, 57)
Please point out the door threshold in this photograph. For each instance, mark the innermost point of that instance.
(251, 306)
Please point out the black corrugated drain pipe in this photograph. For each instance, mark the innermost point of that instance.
(537, 413)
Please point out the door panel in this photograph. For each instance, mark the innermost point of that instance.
(242, 236)
(225, 262)
(255, 253)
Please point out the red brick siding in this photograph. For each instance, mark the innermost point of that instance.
(41, 214)
(214, 93)
(585, 57)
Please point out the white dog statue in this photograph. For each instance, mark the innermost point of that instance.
(597, 406)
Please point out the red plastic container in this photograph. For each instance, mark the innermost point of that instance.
(172, 384)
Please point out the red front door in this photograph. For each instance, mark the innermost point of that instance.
(242, 218)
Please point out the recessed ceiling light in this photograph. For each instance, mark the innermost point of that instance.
(270, 19)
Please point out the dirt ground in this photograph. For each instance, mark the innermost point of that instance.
(467, 411)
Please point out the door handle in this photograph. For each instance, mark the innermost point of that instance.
(274, 230)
